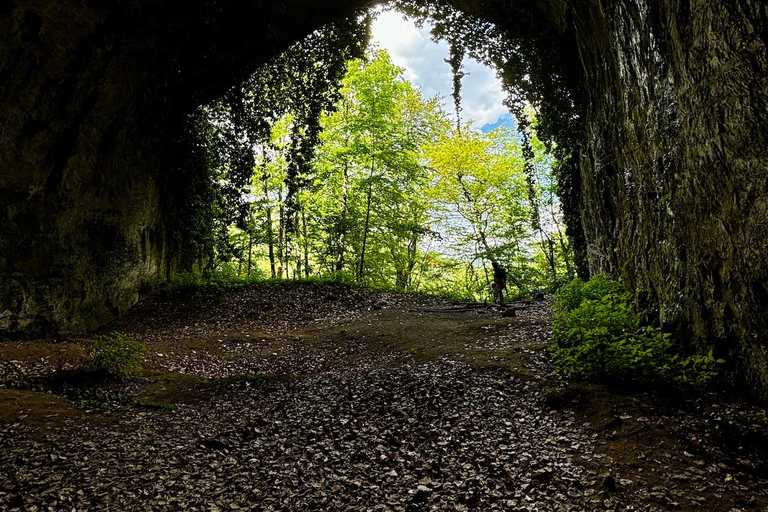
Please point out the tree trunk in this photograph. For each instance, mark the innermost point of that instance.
(561, 239)
(551, 247)
(306, 243)
(343, 219)
(369, 196)
(250, 251)
(270, 231)
(298, 244)
(281, 235)
(365, 231)
(547, 248)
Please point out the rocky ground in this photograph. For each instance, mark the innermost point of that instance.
(308, 397)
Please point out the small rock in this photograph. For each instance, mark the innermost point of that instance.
(421, 495)
(609, 481)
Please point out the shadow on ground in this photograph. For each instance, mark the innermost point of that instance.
(306, 397)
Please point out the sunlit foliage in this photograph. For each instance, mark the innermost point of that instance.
(396, 196)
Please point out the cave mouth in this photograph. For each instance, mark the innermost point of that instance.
(662, 118)
(255, 107)
(102, 184)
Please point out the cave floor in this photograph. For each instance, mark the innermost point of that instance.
(319, 397)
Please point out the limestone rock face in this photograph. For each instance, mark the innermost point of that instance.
(673, 164)
(92, 98)
(674, 172)
(81, 228)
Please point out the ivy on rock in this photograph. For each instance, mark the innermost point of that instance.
(222, 136)
(535, 68)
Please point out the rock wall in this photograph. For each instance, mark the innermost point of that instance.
(674, 171)
(80, 225)
(93, 99)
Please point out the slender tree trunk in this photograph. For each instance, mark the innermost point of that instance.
(287, 262)
(367, 225)
(413, 247)
(343, 218)
(563, 246)
(401, 280)
(547, 247)
(281, 233)
(566, 254)
(344, 204)
(250, 250)
(297, 231)
(270, 233)
(488, 279)
(361, 271)
(551, 244)
(306, 243)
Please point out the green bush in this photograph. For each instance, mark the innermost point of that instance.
(598, 337)
(116, 356)
(225, 277)
(600, 320)
(554, 284)
(570, 296)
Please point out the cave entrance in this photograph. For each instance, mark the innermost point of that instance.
(663, 119)
(97, 115)
(327, 180)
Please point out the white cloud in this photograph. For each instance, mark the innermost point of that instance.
(424, 62)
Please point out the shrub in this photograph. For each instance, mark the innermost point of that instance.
(598, 337)
(554, 284)
(570, 296)
(213, 282)
(116, 356)
(597, 319)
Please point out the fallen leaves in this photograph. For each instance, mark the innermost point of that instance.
(357, 422)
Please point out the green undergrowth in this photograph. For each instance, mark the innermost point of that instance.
(116, 356)
(218, 282)
(598, 337)
(213, 282)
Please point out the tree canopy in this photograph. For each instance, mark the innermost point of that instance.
(349, 171)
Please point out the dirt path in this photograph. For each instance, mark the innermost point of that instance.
(324, 398)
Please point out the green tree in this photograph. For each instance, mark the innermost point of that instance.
(303, 83)
(554, 251)
(371, 162)
(481, 186)
(369, 191)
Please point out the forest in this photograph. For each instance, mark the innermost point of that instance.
(392, 192)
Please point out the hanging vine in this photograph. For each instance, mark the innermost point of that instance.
(304, 82)
(456, 60)
(530, 174)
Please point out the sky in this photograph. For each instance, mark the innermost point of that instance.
(423, 60)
